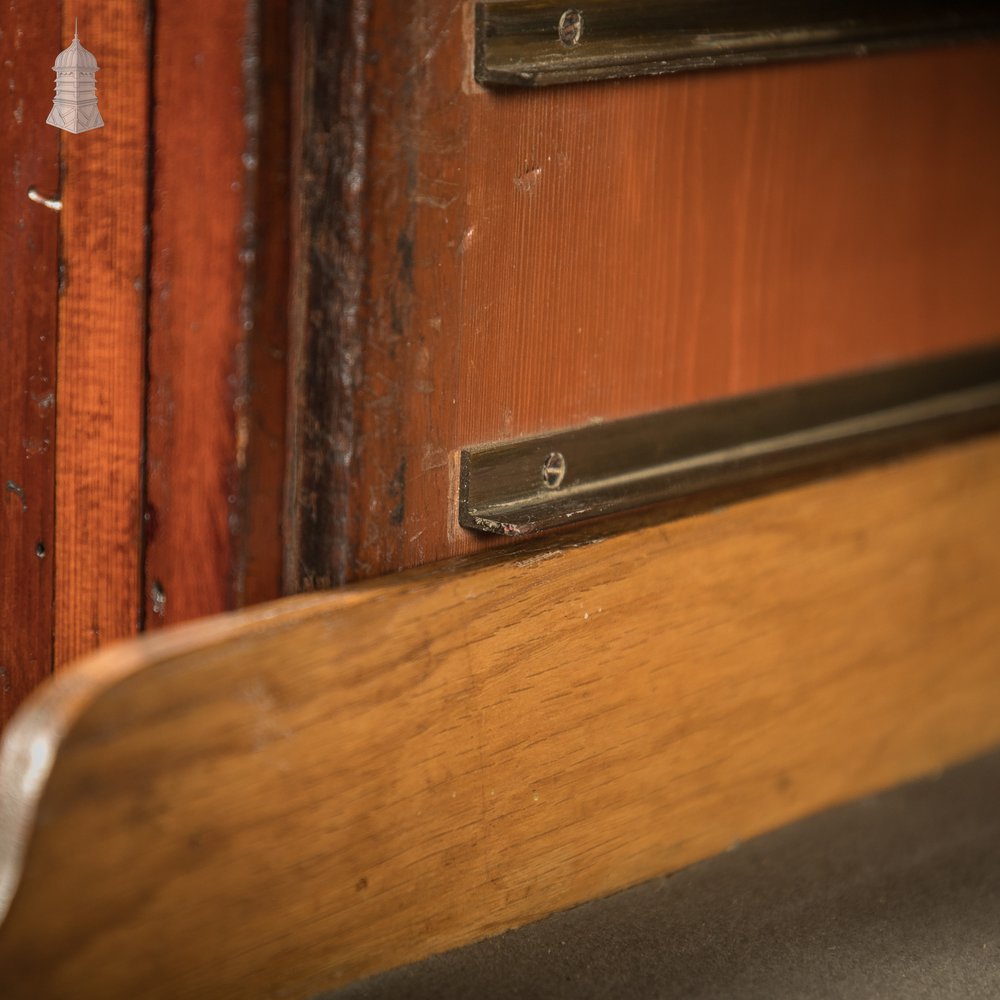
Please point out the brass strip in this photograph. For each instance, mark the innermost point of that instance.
(530, 43)
(518, 487)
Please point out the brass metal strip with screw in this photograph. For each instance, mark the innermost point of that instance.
(529, 43)
(519, 487)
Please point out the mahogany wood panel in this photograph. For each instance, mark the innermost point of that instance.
(196, 335)
(29, 42)
(484, 265)
(101, 381)
(259, 569)
(277, 801)
(218, 326)
(217, 408)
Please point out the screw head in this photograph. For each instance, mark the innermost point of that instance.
(571, 27)
(553, 471)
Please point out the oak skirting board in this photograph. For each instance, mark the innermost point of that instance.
(278, 801)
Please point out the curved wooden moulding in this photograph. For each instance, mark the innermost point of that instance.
(278, 801)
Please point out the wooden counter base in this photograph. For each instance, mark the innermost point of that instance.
(278, 801)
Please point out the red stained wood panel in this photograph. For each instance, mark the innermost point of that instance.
(217, 369)
(533, 260)
(259, 563)
(210, 536)
(101, 341)
(29, 43)
(660, 242)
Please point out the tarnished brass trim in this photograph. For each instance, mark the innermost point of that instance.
(530, 43)
(518, 487)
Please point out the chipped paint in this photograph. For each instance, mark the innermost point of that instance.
(528, 178)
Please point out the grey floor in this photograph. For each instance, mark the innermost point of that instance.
(893, 896)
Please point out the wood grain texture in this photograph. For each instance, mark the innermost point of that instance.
(326, 305)
(278, 801)
(29, 42)
(216, 408)
(195, 329)
(530, 261)
(102, 323)
(267, 79)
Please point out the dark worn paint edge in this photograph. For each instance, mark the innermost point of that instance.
(261, 365)
(326, 341)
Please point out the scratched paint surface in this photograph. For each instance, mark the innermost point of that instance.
(29, 155)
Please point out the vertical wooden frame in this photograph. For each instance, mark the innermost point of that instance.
(195, 303)
(327, 294)
(262, 430)
(102, 340)
(215, 411)
(29, 248)
(166, 317)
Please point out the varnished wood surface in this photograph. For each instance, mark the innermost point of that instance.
(275, 802)
(215, 449)
(259, 560)
(218, 312)
(102, 325)
(197, 361)
(486, 265)
(29, 42)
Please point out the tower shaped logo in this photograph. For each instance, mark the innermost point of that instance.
(75, 106)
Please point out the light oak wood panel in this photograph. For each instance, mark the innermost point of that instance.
(280, 800)
(485, 264)
(102, 332)
(29, 247)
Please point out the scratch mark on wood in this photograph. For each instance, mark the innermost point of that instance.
(528, 178)
(13, 487)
